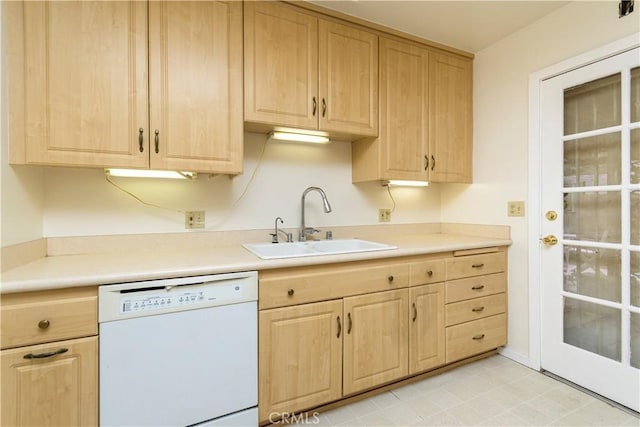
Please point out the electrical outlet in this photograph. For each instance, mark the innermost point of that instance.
(384, 215)
(194, 219)
(515, 208)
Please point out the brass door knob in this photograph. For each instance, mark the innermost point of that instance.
(549, 240)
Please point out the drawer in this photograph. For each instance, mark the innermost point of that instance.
(476, 265)
(468, 339)
(278, 288)
(40, 317)
(425, 272)
(473, 309)
(463, 289)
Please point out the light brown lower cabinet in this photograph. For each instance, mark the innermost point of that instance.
(328, 332)
(426, 327)
(376, 341)
(300, 357)
(58, 390)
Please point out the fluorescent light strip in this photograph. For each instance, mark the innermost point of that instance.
(300, 137)
(408, 183)
(146, 173)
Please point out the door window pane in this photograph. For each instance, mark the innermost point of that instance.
(593, 272)
(635, 94)
(592, 161)
(592, 216)
(593, 105)
(635, 340)
(635, 278)
(592, 327)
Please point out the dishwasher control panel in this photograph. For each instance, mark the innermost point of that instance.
(126, 300)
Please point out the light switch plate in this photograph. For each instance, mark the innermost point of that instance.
(515, 208)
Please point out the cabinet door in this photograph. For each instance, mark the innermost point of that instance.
(78, 92)
(426, 329)
(375, 340)
(348, 79)
(195, 81)
(450, 105)
(404, 118)
(300, 357)
(281, 65)
(60, 390)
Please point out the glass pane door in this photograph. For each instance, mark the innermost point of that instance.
(591, 279)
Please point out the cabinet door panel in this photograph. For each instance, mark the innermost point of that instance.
(281, 60)
(450, 102)
(404, 100)
(348, 79)
(83, 68)
(61, 390)
(426, 329)
(196, 85)
(376, 341)
(300, 357)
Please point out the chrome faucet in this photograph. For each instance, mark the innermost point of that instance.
(304, 230)
(274, 236)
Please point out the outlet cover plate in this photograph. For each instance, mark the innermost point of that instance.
(384, 215)
(515, 208)
(194, 219)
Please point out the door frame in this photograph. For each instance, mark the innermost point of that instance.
(534, 210)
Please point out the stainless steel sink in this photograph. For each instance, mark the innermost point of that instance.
(314, 248)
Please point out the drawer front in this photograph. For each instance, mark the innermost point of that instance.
(463, 289)
(476, 265)
(310, 285)
(473, 309)
(476, 337)
(46, 321)
(426, 272)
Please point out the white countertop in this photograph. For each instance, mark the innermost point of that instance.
(123, 266)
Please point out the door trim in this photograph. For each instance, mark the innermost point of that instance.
(534, 211)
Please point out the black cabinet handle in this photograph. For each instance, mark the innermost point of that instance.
(45, 355)
(315, 106)
(141, 139)
(290, 292)
(157, 141)
(433, 162)
(477, 288)
(415, 312)
(339, 327)
(44, 324)
(390, 278)
(324, 107)
(478, 337)
(350, 323)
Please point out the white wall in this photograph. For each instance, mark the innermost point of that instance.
(501, 79)
(21, 188)
(81, 202)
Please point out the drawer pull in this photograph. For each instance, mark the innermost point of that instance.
(339, 327)
(477, 309)
(44, 324)
(430, 273)
(415, 312)
(477, 288)
(478, 337)
(290, 292)
(390, 278)
(45, 355)
(350, 323)
(479, 265)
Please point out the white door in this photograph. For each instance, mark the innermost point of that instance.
(590, 279)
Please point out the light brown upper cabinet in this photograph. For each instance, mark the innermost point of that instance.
(306, 72)
(450, 118)
(425, 117)
(126, 84)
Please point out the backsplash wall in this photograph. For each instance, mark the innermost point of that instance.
(81, 202)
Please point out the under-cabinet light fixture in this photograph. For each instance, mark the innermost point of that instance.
(397, 182)
(300, 137)
(147, 173)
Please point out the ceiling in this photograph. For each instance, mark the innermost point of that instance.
(470, 25)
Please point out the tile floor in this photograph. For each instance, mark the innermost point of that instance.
(491, 392)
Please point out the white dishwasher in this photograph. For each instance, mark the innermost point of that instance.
(180, 352)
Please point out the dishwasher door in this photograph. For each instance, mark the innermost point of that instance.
(181, 367)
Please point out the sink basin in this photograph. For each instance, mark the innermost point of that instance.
(314, 248)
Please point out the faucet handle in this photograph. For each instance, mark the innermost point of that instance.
(274, 237)
(329, 235)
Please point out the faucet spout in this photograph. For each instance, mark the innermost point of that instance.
(304, 230)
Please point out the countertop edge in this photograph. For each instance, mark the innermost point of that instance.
(19, 280)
